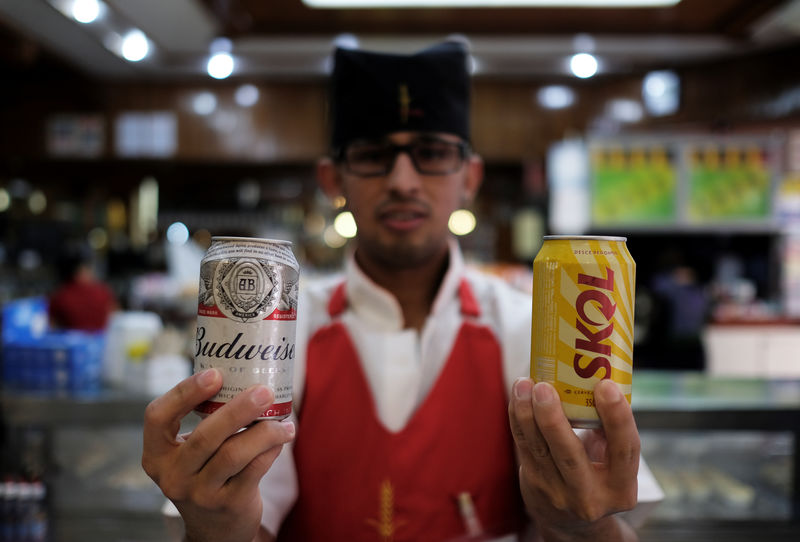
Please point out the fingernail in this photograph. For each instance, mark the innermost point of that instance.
(543, 392)
(609, 393)
(261, 396)
(288, 427)
(523, 387)
(206, 378)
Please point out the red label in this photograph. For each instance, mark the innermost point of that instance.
(291, 314)
(205, 310)
(214, 312)
(278, 409)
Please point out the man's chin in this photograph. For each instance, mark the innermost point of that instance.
(401, 255)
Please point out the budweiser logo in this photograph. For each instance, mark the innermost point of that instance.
(233, 350)
(594, 343)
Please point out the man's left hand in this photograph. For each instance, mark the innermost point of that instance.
(573, 486)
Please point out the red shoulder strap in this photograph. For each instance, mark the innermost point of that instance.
(338, 301)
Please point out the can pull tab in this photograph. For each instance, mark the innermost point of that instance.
(466, 508)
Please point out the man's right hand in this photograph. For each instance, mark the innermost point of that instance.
(212, 474)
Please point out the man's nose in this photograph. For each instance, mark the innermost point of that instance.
(403, 176)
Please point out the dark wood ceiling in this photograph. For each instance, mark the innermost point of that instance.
(729, 18)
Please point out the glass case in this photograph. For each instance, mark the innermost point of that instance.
(725, 452)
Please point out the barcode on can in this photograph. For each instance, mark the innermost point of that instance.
(545, 369)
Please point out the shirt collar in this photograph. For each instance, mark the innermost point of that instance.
(372, 303)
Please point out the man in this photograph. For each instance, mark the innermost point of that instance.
(80, 301)
(404, 365)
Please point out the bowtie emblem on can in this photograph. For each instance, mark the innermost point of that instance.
(582, 331)
(246, 318)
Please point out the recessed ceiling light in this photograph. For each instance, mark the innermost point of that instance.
(661, 92)
(204, 103)
(135, 46)
(85, 11)
(625, 110)
(220, 65)
(555, 97)
(246, 95)
(583, 65)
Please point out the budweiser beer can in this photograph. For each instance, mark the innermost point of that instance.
(246, 319)
(582, 330)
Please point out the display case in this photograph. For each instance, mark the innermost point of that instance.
(89, 449)
(725, 451)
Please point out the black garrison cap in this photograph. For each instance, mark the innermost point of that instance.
(374, 94)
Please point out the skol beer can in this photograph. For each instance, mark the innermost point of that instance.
(582, 330)
(246, 319)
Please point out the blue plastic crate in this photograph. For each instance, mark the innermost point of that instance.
(68, 362)
(24, 319)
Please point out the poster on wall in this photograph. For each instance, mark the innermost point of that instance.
(728, 181)
(75, 135)
(633, 185)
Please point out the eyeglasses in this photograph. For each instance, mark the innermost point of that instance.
(429, 156)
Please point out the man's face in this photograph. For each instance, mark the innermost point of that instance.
(402, 214)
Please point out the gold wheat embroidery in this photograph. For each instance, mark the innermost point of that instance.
(405, 103)
(385, 525)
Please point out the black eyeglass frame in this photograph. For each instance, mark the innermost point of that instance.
(464, 150)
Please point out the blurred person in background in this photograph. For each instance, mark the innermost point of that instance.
(81, 301)
(414, 417)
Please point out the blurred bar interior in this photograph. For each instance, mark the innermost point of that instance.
(142, 128)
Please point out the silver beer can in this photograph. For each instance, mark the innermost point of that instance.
(246, 319)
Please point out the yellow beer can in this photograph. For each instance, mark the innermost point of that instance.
(582, 330)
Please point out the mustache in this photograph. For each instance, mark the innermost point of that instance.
(394, 200)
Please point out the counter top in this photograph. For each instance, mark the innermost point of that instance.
(653, 392)
(665, 390)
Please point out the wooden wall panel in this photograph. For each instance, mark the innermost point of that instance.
(284, 125)
(288, 122)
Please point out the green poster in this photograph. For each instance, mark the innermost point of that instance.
(635, 185)
(728, 183)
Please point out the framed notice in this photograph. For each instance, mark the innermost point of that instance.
(75, 135)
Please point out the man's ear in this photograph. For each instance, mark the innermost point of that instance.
(474, 177)
(328, 178)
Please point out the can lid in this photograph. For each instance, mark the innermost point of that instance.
(584, 238)
(250, 240)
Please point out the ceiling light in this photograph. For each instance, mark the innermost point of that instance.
(555, 97)
(583, 65)
(584, 43)
(221, 45)
(135, 46)
(204, 103)
(661, 92)
(347, 4)
(246, 95)
(85, 11)
(220, 65)
(624, 110)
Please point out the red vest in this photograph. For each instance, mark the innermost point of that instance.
(358, 481)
